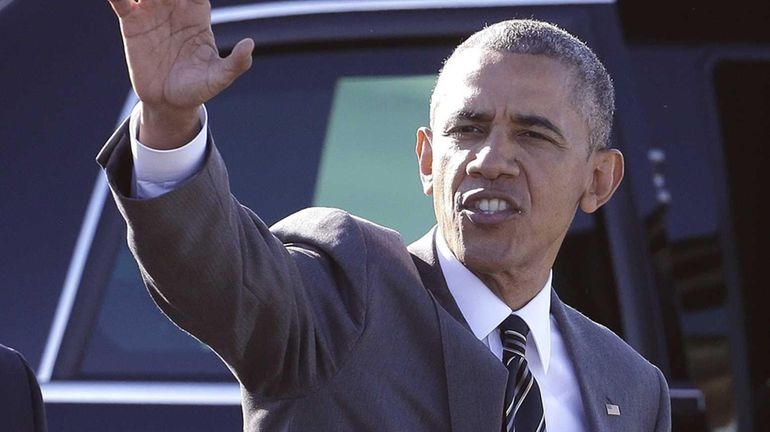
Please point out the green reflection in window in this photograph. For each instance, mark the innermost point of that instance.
(368, 166)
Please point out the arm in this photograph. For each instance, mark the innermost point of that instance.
(282, 317)
(274, 313)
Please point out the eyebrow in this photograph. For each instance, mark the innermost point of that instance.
(537, 121)
(472, 115)
(529, 120)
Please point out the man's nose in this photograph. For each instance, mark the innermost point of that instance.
(495, 157)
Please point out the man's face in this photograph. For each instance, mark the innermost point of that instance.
(507, 160)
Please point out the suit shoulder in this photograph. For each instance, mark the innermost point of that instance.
(332, 227)
(20, 400)
(11, 359)
(351, 243)
(16, 377)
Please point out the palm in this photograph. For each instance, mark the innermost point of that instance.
(171, 53)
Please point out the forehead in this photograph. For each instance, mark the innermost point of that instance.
(496, 81)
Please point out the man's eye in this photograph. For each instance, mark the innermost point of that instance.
(464, 130)
(534, 135)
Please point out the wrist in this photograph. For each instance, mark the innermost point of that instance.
(167, 129)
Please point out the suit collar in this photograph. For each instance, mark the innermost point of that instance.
(426, 260)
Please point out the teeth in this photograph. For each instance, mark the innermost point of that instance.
(492, 205)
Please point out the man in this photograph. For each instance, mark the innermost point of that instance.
(21, 405)
(327, 320)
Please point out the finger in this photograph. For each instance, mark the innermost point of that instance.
(239, 60)
(122, 7)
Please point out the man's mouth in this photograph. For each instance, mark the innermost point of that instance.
(488, 207)
(491, 205)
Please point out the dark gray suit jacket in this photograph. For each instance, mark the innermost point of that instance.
(21, 405)
(331, 324)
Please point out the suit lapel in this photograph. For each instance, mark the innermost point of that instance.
(589, 367)
(475, 377)
(425, 259)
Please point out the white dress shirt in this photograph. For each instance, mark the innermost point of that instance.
(159, 171)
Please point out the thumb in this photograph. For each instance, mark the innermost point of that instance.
(122, 7)
(238, 62)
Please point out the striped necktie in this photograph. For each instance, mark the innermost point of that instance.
(523, 410)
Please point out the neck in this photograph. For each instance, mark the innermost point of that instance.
(515, 289)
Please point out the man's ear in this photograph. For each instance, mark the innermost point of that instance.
(424, 150)
(608, 168)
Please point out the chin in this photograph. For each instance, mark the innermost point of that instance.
(485, 260)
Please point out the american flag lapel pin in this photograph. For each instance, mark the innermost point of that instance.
(613, 410)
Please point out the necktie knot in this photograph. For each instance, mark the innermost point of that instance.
(513, 334)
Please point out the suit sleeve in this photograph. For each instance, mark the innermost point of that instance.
(663, 423)
(269, 310)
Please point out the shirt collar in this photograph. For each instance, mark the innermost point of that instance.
(484, 311)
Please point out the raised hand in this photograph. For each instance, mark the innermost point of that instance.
(174, 64)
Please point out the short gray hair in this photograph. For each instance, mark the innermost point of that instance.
(594, 95)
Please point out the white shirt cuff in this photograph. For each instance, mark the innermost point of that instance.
(159, 171)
